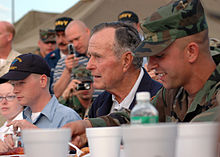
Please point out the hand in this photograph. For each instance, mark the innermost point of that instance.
(78, 130)
(71, 62)
(9, 141)
(22, 124)
(152, 72)
(71, 89)
(3, 147)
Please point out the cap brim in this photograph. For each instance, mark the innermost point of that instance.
(46, 41)
(59, 29)
(146, 49)
(14, 75)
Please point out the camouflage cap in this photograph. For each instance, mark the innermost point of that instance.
(177, 19)
(82, 74)
(47, 35)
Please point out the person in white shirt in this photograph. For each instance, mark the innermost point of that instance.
(10, 110)
(7, 53)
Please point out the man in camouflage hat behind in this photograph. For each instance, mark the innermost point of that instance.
(47, 42)
(79, 93)
(177, 44)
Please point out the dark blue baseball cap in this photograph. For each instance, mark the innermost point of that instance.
(61, 23)
(24, 65)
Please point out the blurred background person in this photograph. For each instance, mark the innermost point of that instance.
(77, 34)
(62, 50)
(47, 42)
(131, 18)
(152, 72)
(215, 49)
(7, 54)
(10, 110)
(79, 93)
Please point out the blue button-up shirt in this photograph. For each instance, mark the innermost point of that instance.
(54, 115)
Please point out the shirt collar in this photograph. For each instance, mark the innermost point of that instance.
(48, 110)
(129, 98)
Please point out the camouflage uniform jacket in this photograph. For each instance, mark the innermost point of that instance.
(113, 119)
(73, 102)
(173, 105)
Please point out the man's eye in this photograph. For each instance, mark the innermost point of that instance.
(21, 83)
(97, 56)
(18, 83)
(159, 56)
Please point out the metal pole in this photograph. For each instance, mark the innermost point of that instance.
(12, 11)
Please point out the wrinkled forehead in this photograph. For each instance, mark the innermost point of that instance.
(102, 40)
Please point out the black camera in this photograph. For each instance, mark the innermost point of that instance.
(83, 86)
(71, 49)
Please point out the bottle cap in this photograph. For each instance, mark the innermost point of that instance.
(143, 96)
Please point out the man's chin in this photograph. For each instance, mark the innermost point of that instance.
(98, 87)
(63, 48)
(86, 98)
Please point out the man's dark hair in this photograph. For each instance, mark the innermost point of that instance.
(126, 39)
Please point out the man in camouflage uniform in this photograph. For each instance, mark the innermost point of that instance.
(47, 42)
(79, 96)
(177, 43)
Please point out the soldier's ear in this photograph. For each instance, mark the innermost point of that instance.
(192, 52)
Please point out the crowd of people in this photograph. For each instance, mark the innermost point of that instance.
(82, 78)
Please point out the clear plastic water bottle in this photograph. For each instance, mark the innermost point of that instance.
(143, 112)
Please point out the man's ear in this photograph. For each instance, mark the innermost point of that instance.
(127, 59)
(38, 43)
(192, 52)
(43, 80)
(10, 36)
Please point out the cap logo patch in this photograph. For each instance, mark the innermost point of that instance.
(61, 23)
(126, 15)
(17, 59)
(12, 67)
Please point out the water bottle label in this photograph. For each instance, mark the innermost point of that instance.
(144, 120)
